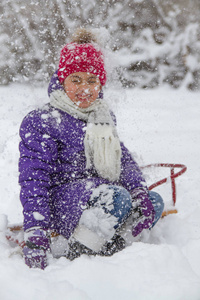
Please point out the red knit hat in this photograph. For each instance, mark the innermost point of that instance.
(77, 57)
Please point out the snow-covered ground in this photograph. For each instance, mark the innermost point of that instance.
(160, 125)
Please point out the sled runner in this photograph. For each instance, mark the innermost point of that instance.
(14, 233)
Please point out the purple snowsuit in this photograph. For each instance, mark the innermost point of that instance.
(55, 184)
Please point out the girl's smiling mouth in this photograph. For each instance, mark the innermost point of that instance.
(83, 97)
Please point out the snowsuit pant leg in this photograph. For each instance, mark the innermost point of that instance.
(107, 209)
(119, 202)
(158, 205)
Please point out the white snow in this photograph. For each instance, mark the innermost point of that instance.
(38, 216)
(160, 125)
(95, 218)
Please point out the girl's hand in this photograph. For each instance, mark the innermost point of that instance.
(35, 258)
(37, 243)
(143, 211)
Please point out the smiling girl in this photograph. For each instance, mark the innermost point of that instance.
(77, 179)
(82, 88)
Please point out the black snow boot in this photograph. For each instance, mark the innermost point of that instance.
(76, 249)
(116, 244)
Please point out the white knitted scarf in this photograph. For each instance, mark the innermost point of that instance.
(101, 142)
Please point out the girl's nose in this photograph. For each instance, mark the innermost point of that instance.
(84, 86)
(84, 83)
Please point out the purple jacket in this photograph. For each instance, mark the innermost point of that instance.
(55, 185)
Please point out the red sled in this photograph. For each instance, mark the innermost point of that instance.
(173, 176)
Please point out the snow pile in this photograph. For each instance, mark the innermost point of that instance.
(160, 125)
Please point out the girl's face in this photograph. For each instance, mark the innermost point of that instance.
(82, 88)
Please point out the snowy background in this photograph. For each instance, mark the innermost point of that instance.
(160, 125)
(156, 41)
(152, 47)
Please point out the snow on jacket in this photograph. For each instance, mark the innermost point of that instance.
(55, 184)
